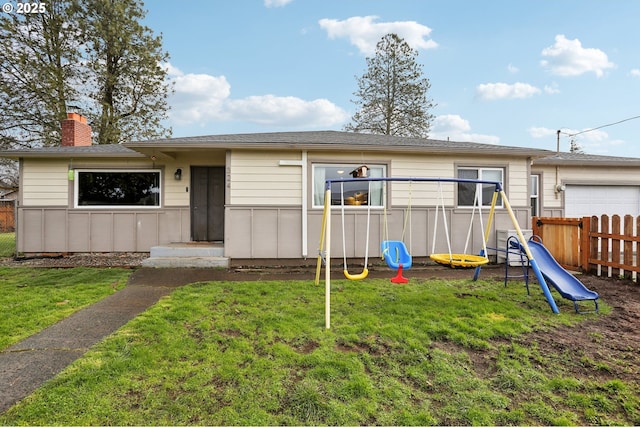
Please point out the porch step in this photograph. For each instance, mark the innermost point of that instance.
(188, 250)
(186, 262)
(187, 255)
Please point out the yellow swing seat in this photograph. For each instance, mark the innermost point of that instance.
(360, 276)
(459, 260)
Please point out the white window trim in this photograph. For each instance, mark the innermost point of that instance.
(500, 203)
(346, 165)
(113, 207)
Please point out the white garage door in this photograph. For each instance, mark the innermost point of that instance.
(587, 200)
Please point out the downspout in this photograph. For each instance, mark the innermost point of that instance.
(555, 187)
(305, 195)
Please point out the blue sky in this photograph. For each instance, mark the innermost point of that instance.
(501, 71)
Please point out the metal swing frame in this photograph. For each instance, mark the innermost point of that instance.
(325, 238)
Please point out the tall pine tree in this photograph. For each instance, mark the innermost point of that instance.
(124, 58)
(392, 94)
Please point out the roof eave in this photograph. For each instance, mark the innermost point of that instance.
(168, 146)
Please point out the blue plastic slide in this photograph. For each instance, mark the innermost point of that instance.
(564, 282)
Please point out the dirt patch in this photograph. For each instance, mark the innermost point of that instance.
(604, 347)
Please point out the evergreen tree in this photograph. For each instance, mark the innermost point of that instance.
(392, 94)
(91, 54)
(124, 64)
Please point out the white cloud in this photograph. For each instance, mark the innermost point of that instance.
(493, 91)
(568, 58)
(635, 72)
(276, 3)
(551, 89)
(287, 111)
(512, 69)
(455, 128)
(200, 99)
(592, 142)
(364, 33)
(541, 132)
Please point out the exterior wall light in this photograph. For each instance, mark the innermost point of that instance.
(178, 174)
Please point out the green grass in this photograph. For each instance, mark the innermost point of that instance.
(32, 299)
(7, 244)
(257, 353)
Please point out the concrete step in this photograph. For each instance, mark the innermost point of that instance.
(187, 250)
(186, 262)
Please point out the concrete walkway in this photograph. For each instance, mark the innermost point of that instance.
(25, 366)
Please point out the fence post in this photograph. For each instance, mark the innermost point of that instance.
(628, 245)
(584, 244)
(604, 241)
(535, 228)
(615, 244)
(593, 244)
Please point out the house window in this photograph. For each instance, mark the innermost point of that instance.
(467, 191)
(535, 195)
(117, 188)
(356, 193)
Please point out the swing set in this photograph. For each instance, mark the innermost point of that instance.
(395, 252)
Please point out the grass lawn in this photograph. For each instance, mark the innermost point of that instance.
(7, 244)
(32, 299)
(257, 353)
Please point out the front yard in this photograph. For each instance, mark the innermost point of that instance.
(436, 351)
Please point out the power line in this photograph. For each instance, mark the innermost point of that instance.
(600, 127)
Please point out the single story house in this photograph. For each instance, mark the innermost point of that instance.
(261, 195)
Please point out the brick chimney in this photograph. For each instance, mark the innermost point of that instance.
(75, 131)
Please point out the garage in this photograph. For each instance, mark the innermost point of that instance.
(588, 200)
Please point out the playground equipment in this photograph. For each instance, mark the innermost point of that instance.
(564, 282)
(453, 259)
(365, 270)
(397, 256)
(325, 238)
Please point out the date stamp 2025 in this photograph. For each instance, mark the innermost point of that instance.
(24, 8)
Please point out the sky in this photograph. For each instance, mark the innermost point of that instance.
(501, 71)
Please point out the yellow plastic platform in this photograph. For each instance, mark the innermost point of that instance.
(459, 260)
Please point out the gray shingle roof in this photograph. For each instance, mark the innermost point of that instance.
(579, 159)
(335, 140)
(107, 150)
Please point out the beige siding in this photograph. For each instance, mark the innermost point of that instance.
(552, 203)
(258, 179)
(45, 183)
(177, 193)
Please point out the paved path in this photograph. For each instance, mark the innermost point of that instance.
(25, 366)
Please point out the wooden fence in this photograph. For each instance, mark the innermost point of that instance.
(7, 216)
(605, 246)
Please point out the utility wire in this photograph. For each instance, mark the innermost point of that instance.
(600, 127)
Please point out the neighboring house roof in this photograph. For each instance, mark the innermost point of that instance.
(580, 159)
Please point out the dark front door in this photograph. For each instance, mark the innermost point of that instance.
(207, 203)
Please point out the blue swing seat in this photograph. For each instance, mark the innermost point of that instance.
(396, 254)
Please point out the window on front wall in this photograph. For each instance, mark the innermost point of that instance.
(535, 195)
(356, 193)
(467, 191)
(117, 188)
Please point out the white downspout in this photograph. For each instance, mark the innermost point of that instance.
(305, 194)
